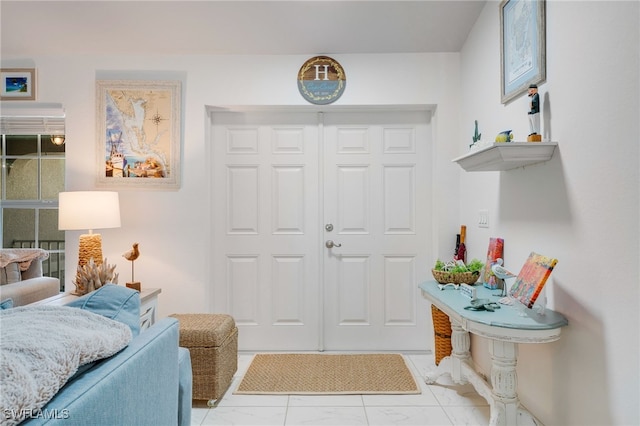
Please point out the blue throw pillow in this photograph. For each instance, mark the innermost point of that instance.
(6, 304)
(115, 302)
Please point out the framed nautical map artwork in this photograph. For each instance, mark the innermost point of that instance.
(138, 132)
(522, 46)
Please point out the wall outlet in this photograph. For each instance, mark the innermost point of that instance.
(483, 218)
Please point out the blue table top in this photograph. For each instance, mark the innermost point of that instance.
(515, 316)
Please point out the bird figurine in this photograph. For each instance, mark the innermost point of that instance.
(499, 271)
(133, 253)
(131, 256)
(502, 274)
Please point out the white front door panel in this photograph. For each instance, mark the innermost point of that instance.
(376, 185)
(265, 264)
(278, 178)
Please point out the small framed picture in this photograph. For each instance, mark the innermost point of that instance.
(18, 84)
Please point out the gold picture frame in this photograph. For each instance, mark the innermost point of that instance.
(138, 133)
(17, 84)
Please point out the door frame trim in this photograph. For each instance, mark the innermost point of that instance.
(211, 109)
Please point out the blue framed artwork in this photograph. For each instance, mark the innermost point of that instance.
(522, 46)
(17, 84)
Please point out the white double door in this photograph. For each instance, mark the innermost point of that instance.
(284, 183)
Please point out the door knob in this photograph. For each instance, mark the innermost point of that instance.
(331, 244)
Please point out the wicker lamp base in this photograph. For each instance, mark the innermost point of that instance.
(90, 247)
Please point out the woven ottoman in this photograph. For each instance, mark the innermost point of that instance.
(212, 340)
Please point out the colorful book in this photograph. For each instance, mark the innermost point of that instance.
(532, 278)
(495, 252)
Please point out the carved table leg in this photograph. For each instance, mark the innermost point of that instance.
(504, 381)
(460, 343)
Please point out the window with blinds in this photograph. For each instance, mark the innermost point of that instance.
(31, 177)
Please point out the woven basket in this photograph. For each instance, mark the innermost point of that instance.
(212, 340)
(442, 333)
(444, 277)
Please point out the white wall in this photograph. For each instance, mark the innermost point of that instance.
(172, 228)
(581, 207)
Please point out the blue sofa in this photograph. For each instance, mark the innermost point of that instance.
(147, 383)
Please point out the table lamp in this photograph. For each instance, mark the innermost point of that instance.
(88, 210)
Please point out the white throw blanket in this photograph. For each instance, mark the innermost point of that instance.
(41, 347)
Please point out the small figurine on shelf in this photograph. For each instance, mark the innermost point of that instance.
(504, 136)
(132, 255)
(534, 115)
(476, 136)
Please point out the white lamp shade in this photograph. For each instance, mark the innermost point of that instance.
(78, 210)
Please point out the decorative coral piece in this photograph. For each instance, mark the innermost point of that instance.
(92, 276)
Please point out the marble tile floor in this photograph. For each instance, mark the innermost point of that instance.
(438, 405)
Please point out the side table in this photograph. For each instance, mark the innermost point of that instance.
(148, 304)
(505, 328)
(148, 307)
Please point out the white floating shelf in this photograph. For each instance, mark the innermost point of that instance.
(507, 156)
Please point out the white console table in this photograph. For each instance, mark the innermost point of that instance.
(505, 328)
(148, 307)
(148, 304)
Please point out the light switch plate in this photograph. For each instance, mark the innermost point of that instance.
(483, 218)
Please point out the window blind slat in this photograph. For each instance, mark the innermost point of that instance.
(31, 118)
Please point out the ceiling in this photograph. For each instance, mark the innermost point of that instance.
(209, 27)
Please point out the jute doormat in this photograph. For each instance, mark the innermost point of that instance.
(328, 374)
